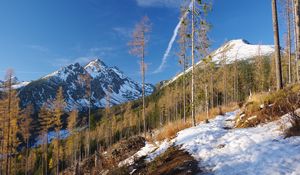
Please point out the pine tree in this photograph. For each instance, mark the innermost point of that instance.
(2, 134)
(199, 28)
(10, 112)
(259, 72)
(26, 123)
(59, 107)
(183, 42)
(45, 122)
(138, 49)
(87, 80)
(287, 17)
(108, 115)
(72, 123)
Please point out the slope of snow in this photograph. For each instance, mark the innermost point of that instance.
(20, 85)
(64, 72)
(238, 49)
(147, 149)
(255, 151)
(15, 86)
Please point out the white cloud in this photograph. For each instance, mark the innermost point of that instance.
(159, 3)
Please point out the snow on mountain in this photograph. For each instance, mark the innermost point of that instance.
(111, 78)
(238, 49)
(105, 80)
(20, 84)
(16, 85)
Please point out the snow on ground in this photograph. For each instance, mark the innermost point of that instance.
(259, 150)
(161, 149)
(150, 150)
(147, 149)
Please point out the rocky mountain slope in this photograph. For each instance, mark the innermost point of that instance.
(103, 78)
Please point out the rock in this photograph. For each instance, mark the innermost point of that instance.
(221, 146)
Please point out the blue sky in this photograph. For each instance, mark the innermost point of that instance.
(38, 37)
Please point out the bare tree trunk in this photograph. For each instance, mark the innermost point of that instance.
(143, 90)
(289, 41)
(27, 155)
(207, 102)
(193, 63)
(279, 84)
(184, 91)
(297, 36)
(89, 136)
(8, 148)
(57, 167)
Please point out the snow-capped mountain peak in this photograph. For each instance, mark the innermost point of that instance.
(96, 65)
(104, 79)
(240, 49)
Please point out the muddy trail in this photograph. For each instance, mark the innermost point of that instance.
(172, 162)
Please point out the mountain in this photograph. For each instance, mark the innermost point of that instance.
(238, 49)
(103, 78)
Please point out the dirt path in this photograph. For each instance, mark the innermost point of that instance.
(172, 162)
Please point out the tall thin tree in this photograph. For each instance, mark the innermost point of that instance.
(87, 80)
(45, 123)
(296, 7)
(279, 84)
(25, 123)
(138, 48)
(59, 107)
(183, 42)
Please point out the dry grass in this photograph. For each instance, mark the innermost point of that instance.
(170, 130)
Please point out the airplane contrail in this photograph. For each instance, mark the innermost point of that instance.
(171, 42)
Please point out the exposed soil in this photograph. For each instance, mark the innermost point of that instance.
(173, 162)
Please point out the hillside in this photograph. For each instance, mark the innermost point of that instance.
(235, 50)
